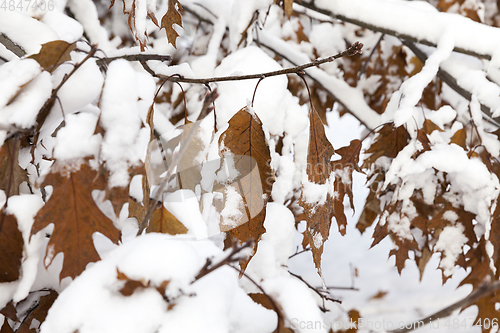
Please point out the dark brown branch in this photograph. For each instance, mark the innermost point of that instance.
(47, 106)
(483, 291)
(12, 46)
(321, 293)
(352, 50)
(299, 252)
(232, 257)
(341, 288)
(310, 5)
(135, 57)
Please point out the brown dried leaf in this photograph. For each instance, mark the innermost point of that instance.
(430, 127)
(401, 252)
(246, 140)
(164, 222)
(10, 311)
(11, 248)
(11, 174)
(495, 238)
(130, 11)
(118, 196)
(288, 7)
(379, 295)
(131, 286)
(265, 302)
(173, 16)
(75, 215)
(53, 54)
(459, 138)
(319, 168)
(347, 164)
(39, 313)
(423, 260)
(6, 327)
(389, 142)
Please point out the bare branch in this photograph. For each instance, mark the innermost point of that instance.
(350, 51)
(232, 257)
(135, 57)
(483, 291)
(324, 294)
(12, 46)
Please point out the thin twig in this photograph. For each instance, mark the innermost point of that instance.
(365, 65)
(135, 57)
(483, 291)
(341, 288)
(352, 50)
(299, 252)
(321, 293)
(208, 267)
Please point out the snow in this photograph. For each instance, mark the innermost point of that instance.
(216, 300)
(86, 13)
(351, 98)
(24, 208)
(421, 23)
(298, 305)
(411, 90)
(26, 32)
(15, 74)
(450, 242)
(184, 205)
(25, 106)
(232, 214)
(269, 98)
(77, 139)
(67, 29)
(120, 118)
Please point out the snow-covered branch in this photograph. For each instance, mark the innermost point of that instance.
(416, 21)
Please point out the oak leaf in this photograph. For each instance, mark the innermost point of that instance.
(389, 142)
(11, 248)
(39, 313)
(118, 196)
(164, 222)
(245, 142)
(173, 16)
(268, 304)
(129, 8)
(344, 168)
(6, 327)
(11, 174)
(53, 54)
(131, 285)
(318, 169)
(459, 138)
(430, 127)
(75, 215)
